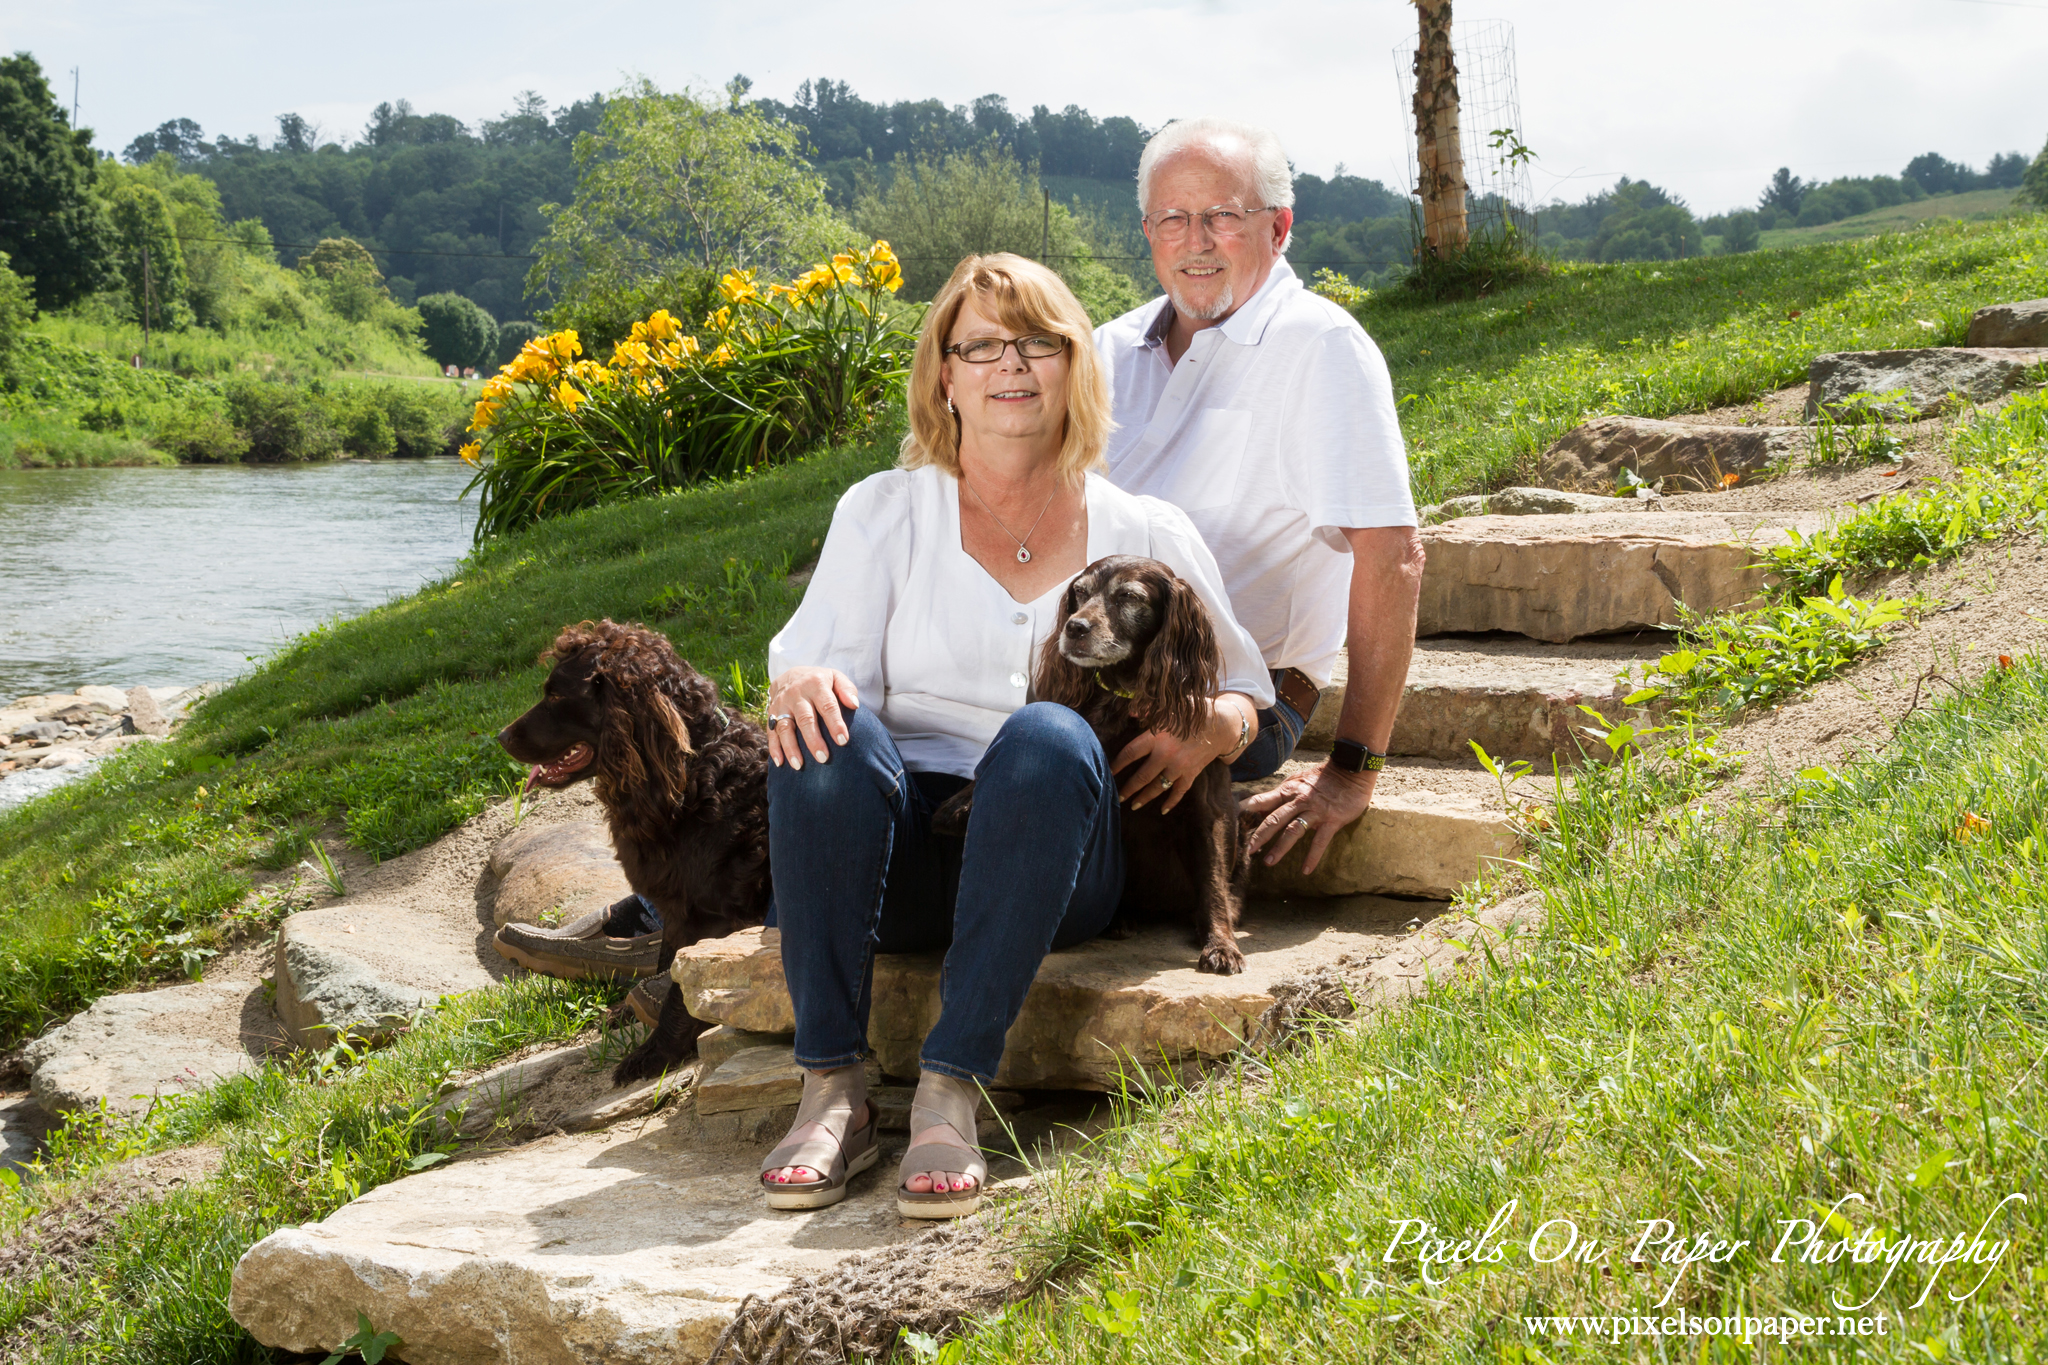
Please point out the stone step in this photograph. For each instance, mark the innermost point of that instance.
(364, 968)
(1519, 698)
(2010, 324)
(1428, 832)
(554, 873)
(129, 1049)
(633, 1246)
(1559, 578)
(1683, 457)
(1096, 1011)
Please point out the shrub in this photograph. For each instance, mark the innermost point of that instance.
(457, 332)
(511, 336)
(198, 435)
(17, 307)
(282, 421)
(426, 419)
(776, 373)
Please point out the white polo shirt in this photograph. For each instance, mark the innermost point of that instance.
(939, 648)
(1275, 433)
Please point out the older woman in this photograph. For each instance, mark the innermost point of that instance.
(906, 673)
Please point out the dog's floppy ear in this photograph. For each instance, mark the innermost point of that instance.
(1180, 669)
(1058, 680)
(644, 741)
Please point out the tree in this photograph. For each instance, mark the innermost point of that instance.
(1938, 175)
(1741, 233)
(179, 138)
(2034, 185)
(151, 263)
(457, 332)
(54, 227)
(17, 307)
(1439, 151)
(354, 286)
(1785, 192)
(937, 211)
(2005, 171)
(670, 185)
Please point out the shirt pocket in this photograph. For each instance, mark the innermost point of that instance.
(1208, 459)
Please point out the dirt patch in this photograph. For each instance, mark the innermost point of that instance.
(63, 1235)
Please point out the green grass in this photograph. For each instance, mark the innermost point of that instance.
(335, 346)
(1485, 386)
(1974, 205)
(296, 1145)
(32, 441)
(1734, 1015)
(383, 722)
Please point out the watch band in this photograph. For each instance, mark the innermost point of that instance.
(1355, 758)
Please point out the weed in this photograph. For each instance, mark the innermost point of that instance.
(367, 1342)
(325, 869)
(1852, 431)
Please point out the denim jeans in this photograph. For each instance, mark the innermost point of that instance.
(858, 871)
(1280, 728)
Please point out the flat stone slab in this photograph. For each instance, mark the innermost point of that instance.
(559, 1088)
(1927, 376)
(2010, 324)
(1686, 457)
(1558, 578)
(554, 872)
(129, 1049)
(617, 1247)
(1409, 843)
(716, 1044)
(365, 968)
(1520, 502)
(1094, 1013)
(756, 1078)
(1519, 698)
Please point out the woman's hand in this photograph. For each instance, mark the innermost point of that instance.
(805, 705)
(1156, 754)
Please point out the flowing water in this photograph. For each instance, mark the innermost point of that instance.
(188, 575)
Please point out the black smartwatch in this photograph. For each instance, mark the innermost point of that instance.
(1355, 758)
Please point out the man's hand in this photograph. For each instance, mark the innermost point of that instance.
(1327, 798)
(1156, 754)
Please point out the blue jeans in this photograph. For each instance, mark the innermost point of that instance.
(858, 871)
(1280, 727)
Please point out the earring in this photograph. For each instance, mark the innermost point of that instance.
(949, 407)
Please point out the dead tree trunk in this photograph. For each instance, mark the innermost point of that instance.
(1438, 150)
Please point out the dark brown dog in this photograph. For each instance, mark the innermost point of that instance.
(1137, 653)
(684, 786)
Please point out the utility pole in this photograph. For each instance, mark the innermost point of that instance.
(74, 97)
(148, 297)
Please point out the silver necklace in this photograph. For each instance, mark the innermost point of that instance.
(1023, 555)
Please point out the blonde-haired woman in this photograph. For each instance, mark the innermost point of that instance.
(906, 673)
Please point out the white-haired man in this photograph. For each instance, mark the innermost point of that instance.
(1266, 414)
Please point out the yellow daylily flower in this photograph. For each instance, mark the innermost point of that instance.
(567, 397)
(471, 452)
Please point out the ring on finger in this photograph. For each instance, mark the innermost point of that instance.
(1166, 784)
(1301, 823)
(774, 721)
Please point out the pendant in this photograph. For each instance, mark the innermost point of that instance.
(1023, 555)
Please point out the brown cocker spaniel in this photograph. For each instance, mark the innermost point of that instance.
(1136, 652)
(684, 786)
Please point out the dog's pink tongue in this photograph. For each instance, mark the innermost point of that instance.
(533, 777)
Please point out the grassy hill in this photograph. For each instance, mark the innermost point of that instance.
(1973, 206)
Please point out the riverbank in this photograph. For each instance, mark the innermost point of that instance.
(51, 738)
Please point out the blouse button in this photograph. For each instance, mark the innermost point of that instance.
(1016, 680)
(1019, 618)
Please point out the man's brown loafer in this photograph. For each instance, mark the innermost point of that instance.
(580, 948)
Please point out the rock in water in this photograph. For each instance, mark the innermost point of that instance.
(630, 1250)
(2010, 324)
(566, 869)
(1592, 456)
(1928, 377)
(364, 968)
(128, 1049)
(142, 710)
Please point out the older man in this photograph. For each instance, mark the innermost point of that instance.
(1266, 413)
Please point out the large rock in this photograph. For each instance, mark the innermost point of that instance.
(1517, 698)
(144, 713)
(364, 968)
(2010, 324)
(1558, 578)
(561, 1088)
(553, 873)
(129, 1049)
(1928, 377)
(1093, 1013)
(1413, 843)
(624, 1249)
(1592, 456)
(23, 1126)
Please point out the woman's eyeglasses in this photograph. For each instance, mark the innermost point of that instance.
(1224, 220)
(988, 350)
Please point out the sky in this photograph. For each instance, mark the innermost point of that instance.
(1704, 100)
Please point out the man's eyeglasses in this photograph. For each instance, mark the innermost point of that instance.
(988, 350)
(1224, 220)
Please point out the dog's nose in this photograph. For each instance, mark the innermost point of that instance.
(1077, 628)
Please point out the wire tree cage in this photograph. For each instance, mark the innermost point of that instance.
(1498, 190)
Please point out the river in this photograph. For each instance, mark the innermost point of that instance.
(187, 575)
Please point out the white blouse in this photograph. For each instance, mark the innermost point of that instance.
(935, 644)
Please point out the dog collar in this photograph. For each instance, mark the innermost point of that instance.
(1113, 691)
